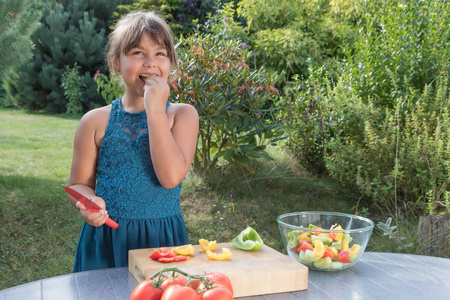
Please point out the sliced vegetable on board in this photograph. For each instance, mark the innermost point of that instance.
(207, 245)
(226, 253)
(248, 239)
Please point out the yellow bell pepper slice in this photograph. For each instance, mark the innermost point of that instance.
(319, 248)
(207, 245)
(354, 250)
(344, 245)
(226, 253)
(338, 236)
(305, 237)
(332, 250)
(185, 250)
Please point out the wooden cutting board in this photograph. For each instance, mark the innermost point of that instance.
(259, 272)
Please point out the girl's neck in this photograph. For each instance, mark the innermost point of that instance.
(132, 104)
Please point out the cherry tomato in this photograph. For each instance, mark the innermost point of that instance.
(146, 291)
(175, 292)
(217, 293)
(180, 280)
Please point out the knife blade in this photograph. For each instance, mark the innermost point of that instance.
(90, 206)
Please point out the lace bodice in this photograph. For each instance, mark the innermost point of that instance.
(126, 179)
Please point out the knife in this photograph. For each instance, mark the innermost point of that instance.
(90, 206)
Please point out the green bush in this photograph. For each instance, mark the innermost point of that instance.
(72, 31)
(180, 14)
(110, 87)
(400, 154)
(409, 38)
(169, 9)
(73, 84)
(305, 110)
(292, 35)
(18, 20)
(232, 100)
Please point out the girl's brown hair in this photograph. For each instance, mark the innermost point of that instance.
(129, 30)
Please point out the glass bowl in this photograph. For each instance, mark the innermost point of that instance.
(325, 241)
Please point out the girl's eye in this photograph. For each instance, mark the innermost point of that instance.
(161, 54)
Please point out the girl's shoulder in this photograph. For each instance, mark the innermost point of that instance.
(182, 110)
(97, 115)
(95, 122)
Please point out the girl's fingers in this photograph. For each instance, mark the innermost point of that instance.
(79, 205)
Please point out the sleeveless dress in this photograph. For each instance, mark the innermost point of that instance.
(148, 214)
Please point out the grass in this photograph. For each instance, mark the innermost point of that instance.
(39, 228)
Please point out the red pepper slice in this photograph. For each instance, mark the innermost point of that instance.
(305, 246)
(155, 255)
(172, 258)
(328, 254)
(180, 258)
(343, 257)
(162, 252)
(166, 259)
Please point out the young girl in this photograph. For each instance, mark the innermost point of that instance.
(131, 156)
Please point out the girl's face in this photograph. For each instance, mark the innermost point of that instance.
(148, 58)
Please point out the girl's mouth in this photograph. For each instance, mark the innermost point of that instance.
(144, 77)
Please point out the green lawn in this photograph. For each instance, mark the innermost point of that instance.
(39, 228)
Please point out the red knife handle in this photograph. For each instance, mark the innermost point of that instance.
(111, 223)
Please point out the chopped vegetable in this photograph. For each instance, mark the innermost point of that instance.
(165, 255)
(322, 250)
(185, 250)
(226, 253)
(207, 245)
(248, 239)
(319, 248)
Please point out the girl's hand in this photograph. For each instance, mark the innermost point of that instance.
(94, 218)
(156, 94)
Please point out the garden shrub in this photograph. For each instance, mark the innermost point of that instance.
(410, 38)
(402, 153)
(292, 35)
(73, 85)
(18, 20)
(72, 31)
(305, 111)
(110, 87)
(180, 14)
(231, 99)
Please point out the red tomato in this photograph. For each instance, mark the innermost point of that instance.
(180, 280)
(219, 279)
(195, 284)
(178, 292)
(217, 293)
(146, 291)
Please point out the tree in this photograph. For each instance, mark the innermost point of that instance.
(18, 20)
(72, 31)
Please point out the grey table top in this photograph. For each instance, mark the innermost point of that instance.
(376, 276)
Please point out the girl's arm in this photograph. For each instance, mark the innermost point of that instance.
(173, 149)
(83, 171)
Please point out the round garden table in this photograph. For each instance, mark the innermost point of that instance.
(376, 276)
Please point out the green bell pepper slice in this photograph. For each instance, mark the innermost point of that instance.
(248, 239)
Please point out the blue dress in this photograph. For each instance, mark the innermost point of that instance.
(148, 214)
